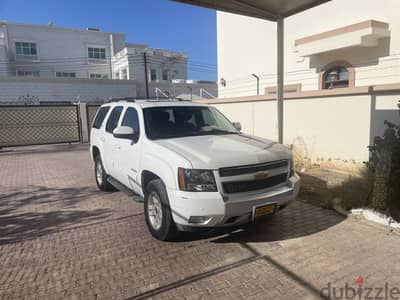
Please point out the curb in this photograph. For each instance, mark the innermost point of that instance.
(377, 218)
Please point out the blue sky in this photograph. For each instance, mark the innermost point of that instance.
(159, 23)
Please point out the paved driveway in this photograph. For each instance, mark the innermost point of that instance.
(62, 238)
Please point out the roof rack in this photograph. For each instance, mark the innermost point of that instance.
(152, 99)
(127, 99)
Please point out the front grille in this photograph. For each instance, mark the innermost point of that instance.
(234, 171)
(253, 185)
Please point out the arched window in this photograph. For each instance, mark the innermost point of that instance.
(336, 77)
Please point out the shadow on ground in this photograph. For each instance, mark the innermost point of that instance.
(297, 220)
(43, 149)
(39, 210)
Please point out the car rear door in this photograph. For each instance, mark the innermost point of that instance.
(110, 143)
(128, 159)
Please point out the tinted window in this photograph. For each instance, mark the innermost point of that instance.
(181, 121)
(112, 122)
(101, 114)
(131, 119)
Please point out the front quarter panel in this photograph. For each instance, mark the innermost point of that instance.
(164, 163)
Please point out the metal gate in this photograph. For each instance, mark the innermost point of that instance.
(38, 124)
(91, 110)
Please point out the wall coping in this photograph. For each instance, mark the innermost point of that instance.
(363, 90)
(16, 79)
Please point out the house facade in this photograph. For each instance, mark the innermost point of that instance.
(57, 52)
(338, 44)
(60, 63)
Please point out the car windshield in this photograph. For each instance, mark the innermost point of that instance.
(183, 121)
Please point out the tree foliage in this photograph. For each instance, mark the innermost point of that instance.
(389, 142)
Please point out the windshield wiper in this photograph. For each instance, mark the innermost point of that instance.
(218, 131)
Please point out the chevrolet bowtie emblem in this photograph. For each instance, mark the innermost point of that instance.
(261, 175)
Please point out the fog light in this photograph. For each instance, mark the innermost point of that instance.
(199, 219)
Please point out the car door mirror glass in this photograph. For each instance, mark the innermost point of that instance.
(124, 132)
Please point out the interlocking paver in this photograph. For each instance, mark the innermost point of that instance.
(61, 238)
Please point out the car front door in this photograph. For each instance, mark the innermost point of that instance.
(110, 143)
(128, 159)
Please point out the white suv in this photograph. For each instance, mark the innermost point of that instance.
(192, 167)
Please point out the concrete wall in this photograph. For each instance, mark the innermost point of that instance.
(56, 89)
(248, 45)
(85, 90)
(336, 127)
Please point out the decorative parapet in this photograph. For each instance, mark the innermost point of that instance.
(363, 34)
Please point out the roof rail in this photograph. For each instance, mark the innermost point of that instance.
(127, 99)
(152, 99)
(165, 99)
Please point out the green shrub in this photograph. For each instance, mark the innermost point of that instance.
(391, 141)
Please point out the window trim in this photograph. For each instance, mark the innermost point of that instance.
(63, 77)
(102, 76)
(122, 71)
(156, 75)
(338, 63)
(22, 56)
(98, 61)
(162, 74)
(21, 70)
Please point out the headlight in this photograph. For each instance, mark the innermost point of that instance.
(193, 180)
(291, 171)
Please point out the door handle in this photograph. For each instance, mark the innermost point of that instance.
(118, 147)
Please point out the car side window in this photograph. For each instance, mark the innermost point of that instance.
(131, 119)
(100, 117)
(112, 121)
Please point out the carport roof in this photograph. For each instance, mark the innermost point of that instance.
(265, 9)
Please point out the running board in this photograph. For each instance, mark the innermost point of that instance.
(122, 188)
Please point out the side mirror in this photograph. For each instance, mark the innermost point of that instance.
(237, 125)
(124, 132)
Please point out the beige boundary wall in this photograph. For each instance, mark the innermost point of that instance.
(333, 126)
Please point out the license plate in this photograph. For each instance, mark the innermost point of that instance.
(264, 210)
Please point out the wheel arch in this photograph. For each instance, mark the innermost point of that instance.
(95, 152)
(155, 166)
(148, 176)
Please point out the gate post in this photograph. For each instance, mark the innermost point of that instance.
(83, 122)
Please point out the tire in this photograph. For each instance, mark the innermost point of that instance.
(101, 176)
(156, 206)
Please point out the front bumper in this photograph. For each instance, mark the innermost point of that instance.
(219, 210)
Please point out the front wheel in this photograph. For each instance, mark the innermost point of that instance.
(101, 176)
(158, 212)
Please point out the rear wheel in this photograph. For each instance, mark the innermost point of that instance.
(101, 176)
(158, 212)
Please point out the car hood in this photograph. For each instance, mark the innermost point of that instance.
(217, 151)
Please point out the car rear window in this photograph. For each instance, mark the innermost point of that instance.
(101, 114)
